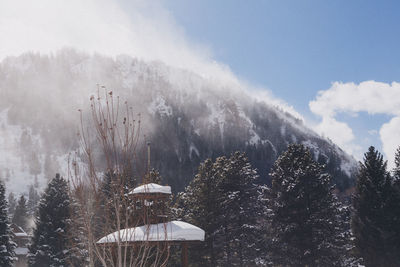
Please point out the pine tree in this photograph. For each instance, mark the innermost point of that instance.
(395, 206)
(305, 214)
(153, 177)
(396, 170)
(79, 255)
(21, 216)
(224, 200)
(110, 189)
(374, 217)
(50, 245)
(7, 246)
(240, 200)
(199, 205)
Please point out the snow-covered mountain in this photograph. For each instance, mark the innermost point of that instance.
(186, 117)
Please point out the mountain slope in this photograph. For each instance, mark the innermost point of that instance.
(186, 117)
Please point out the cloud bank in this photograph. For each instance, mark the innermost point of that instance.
(145, 30)
(369, 96)
(102, 26)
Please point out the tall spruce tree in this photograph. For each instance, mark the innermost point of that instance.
(240, 200)
(199, 205)
(153, 177)
(112, 202)
(79, 255)
(50, 241)
(305, 214)
(224, 200)
(396, 170)
(21, 216)
(396, 205)
(374, 216)
(7, 246)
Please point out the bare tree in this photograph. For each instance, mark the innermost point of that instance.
(101, 175)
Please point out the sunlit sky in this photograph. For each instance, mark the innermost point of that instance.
(297, 48)
(336, 63)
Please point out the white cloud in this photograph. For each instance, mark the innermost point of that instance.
(390, 136)
(146, 31)
(369, 96)
(340, 133)
(103, 26)
(373, 132)
(269, 98)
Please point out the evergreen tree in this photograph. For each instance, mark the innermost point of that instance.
(153, 177)
(50, 245)
(7, 246)
(224, 200)
(12, 203)
(396, 170)
(241, 210)
(199, 205)
(21, 216)
(395, 205)
(374, 219)
(79, 255)
(112, 201)
(305, 215)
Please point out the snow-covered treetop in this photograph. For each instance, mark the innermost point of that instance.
(170, 231)
(151, 189)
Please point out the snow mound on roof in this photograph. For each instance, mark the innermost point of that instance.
(170, 231)
(21, 251)
(152, 189)
(21, 234)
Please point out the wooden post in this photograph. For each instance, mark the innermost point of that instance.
(184, 255)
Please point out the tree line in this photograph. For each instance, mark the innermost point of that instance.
(297, 221)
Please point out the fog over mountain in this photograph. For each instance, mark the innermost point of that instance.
(187, 117)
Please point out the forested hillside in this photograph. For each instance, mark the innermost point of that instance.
(186, 117)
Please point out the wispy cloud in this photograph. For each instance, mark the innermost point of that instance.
(103, 26)
(148, 31)
(369, 96)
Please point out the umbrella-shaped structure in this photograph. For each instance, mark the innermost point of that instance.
(150, 206)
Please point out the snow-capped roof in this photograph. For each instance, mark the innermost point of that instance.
(170, 231)
(21, 234)
(151, 189)
(18, 231)
(21, 251)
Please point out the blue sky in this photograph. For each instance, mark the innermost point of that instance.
(296, 48)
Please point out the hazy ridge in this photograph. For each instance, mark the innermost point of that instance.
(186, 117)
